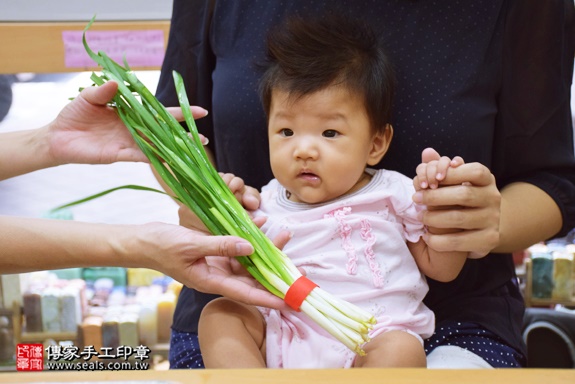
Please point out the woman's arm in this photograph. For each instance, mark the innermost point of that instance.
(86, 131)
(30, 244)
(519, 228)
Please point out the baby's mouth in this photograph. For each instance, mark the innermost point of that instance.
(308, 175)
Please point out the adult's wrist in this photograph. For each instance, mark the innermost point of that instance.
(134, 246)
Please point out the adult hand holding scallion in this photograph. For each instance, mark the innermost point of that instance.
(88, 131)
(181, 162)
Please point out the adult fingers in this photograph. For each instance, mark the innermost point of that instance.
(241, 291)
(208, 245)
(474, 173)
(464, 218)
(197, 112)
(100, 95)
(459, 195)
(480, 241)
(244, 289)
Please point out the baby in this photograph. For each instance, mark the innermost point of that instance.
(327, 92)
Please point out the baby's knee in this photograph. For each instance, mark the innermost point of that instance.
(395, 348)
(217, 308)
(223, 311)
(219, 304)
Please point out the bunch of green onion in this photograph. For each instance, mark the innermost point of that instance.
(180, 160)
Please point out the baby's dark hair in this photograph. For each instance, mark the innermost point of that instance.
(308, 55)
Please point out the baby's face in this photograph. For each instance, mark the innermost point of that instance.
(320, 144)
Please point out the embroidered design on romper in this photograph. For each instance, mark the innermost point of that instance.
(345, 234)
(369, 238)
(345, 231)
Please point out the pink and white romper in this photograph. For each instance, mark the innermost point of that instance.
(353, 247)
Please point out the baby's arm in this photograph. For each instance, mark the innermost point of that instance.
(440, 266)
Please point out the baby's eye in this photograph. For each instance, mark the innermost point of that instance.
(330, 133)
(286, 132)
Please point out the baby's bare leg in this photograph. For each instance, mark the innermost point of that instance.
(393, 349)
(232, 335)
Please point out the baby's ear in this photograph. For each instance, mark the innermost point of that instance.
(380, 144)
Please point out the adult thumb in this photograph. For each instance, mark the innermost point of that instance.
(228, 246)
(100, 95)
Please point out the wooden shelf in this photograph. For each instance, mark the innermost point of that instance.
(534, 302)
(39, 337)
(38, 47)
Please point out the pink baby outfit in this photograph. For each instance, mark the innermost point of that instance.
(353, 247)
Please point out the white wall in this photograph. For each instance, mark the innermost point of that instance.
(83, 10)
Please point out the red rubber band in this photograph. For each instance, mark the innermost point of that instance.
(298, 291)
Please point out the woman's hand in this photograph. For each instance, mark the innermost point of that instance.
(467, 203)
(88, 131)
(182, 254)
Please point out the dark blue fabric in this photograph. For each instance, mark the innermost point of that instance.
(185, 351)
(478, 340)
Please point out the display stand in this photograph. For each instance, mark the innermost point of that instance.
(531, 301)
(21, 336)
